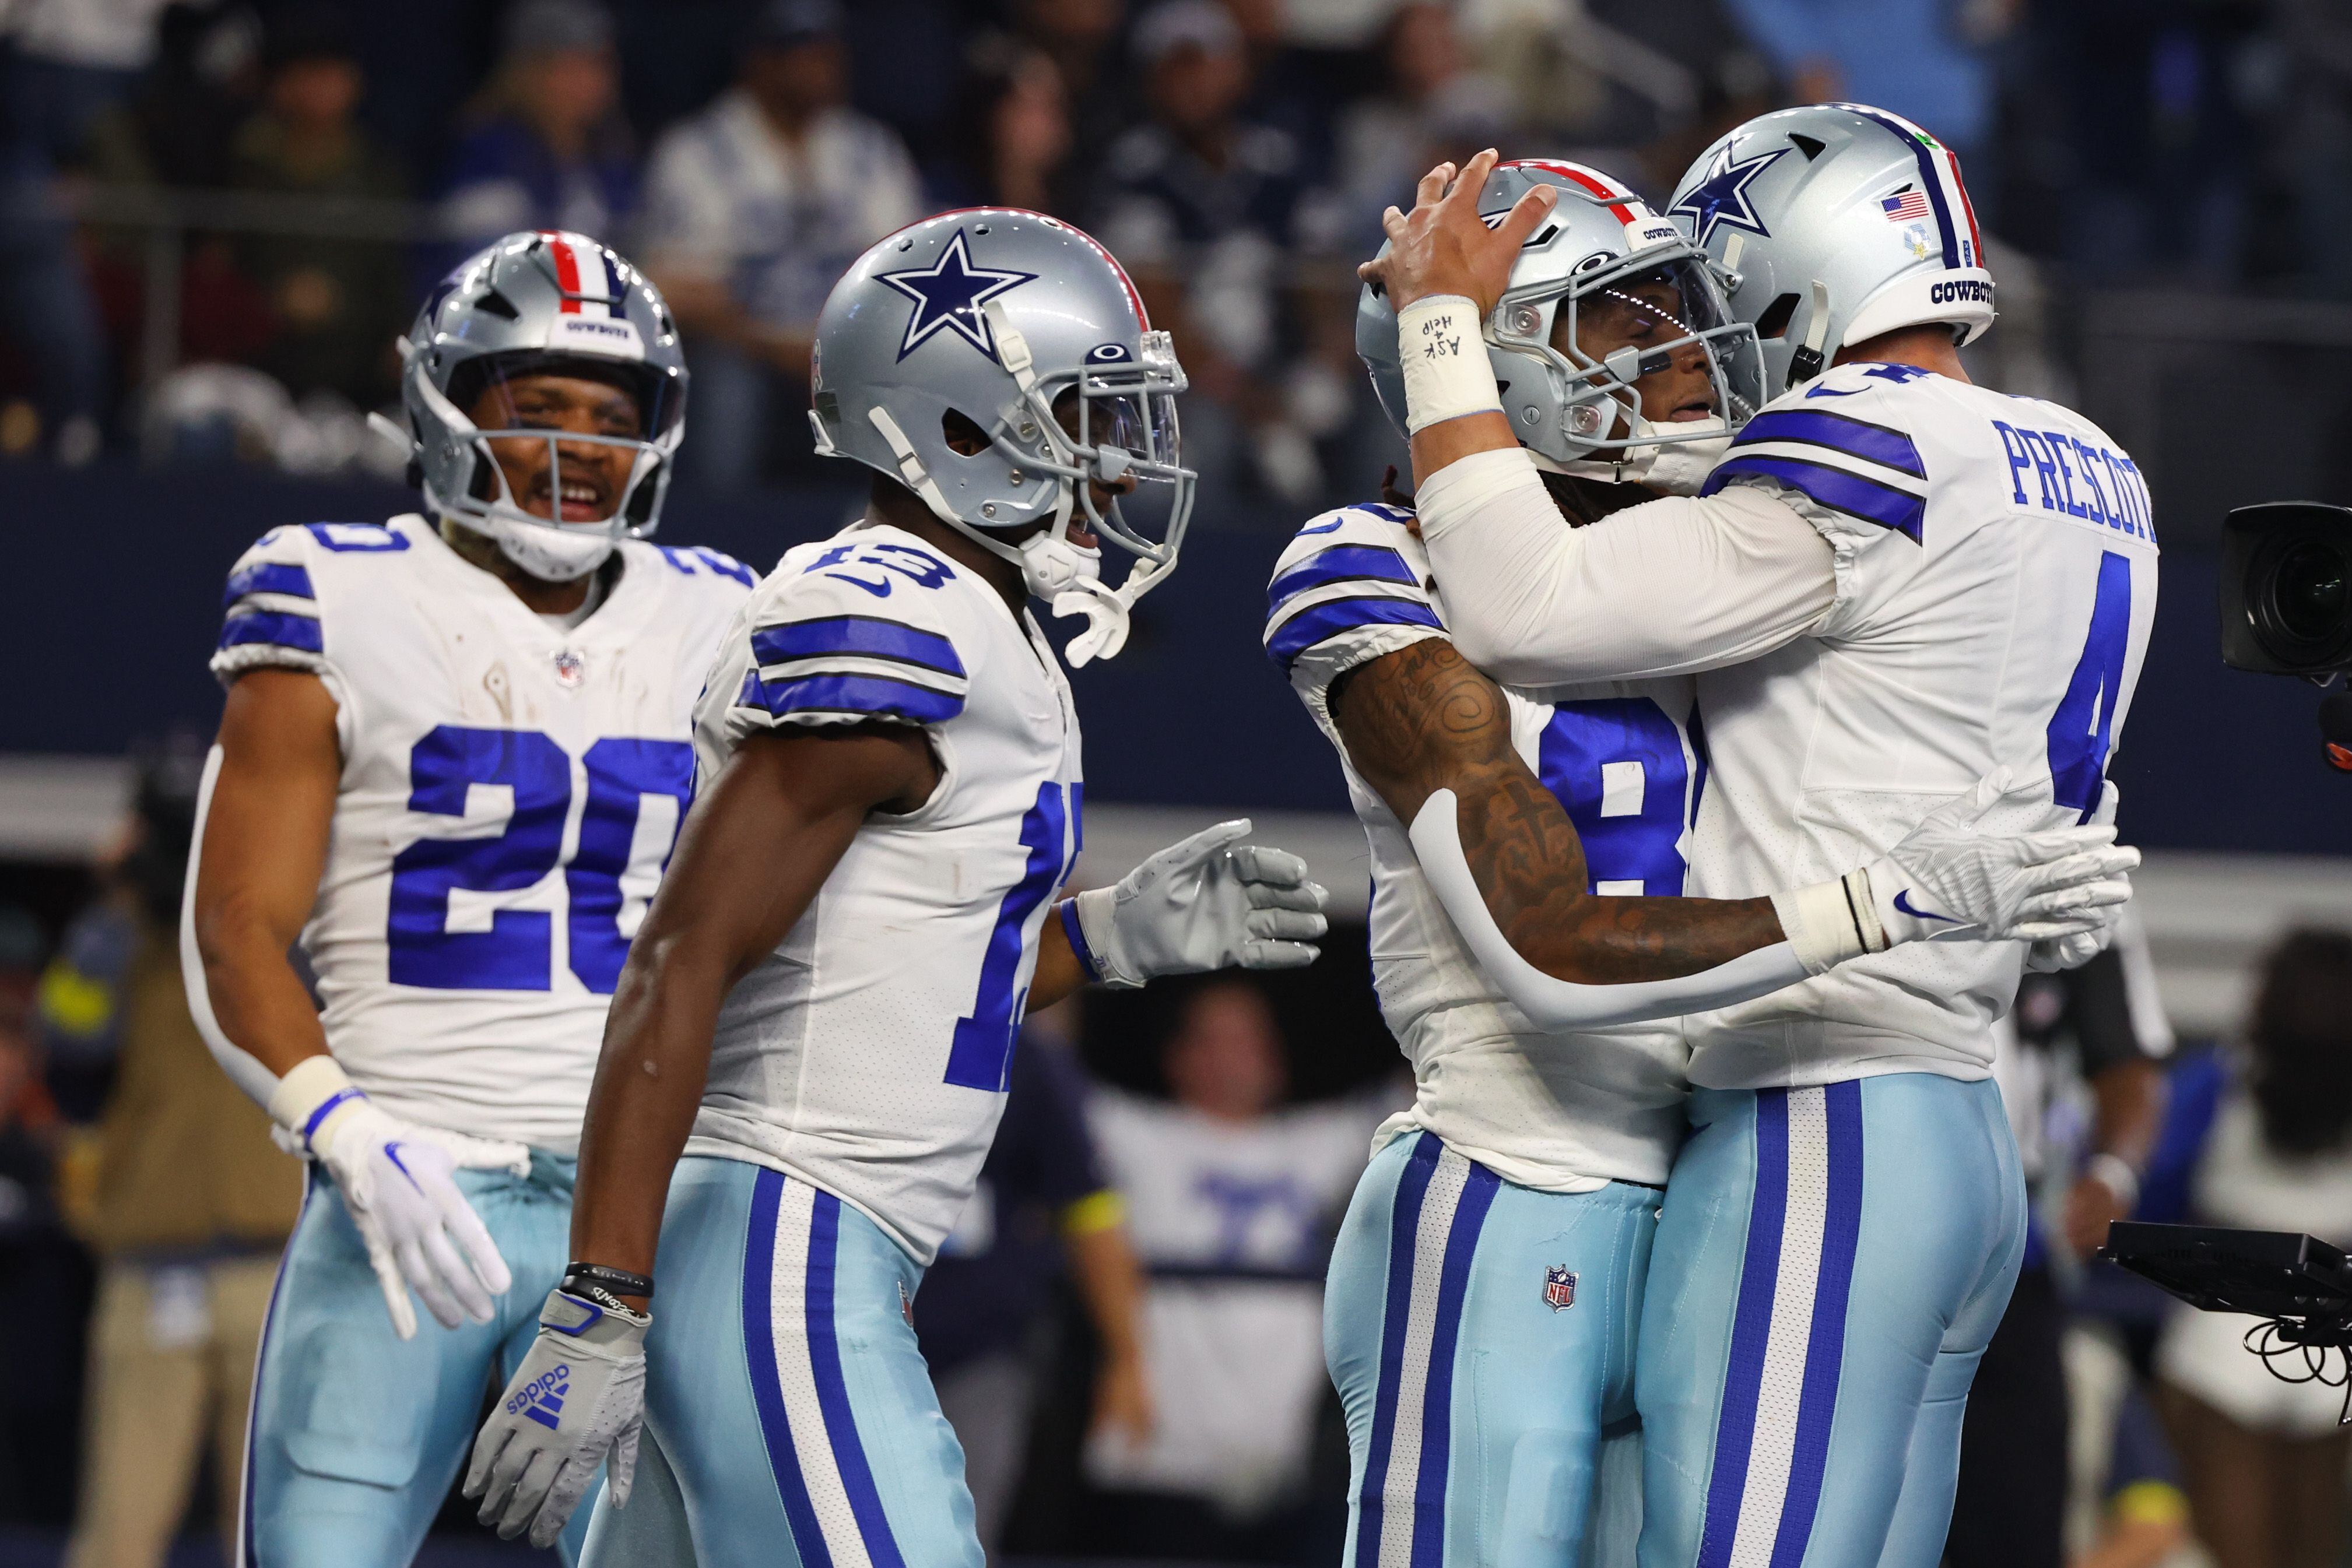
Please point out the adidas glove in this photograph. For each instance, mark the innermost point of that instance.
(394, 1177)
(577, 1400)
(1209, 903)
(1972, 871)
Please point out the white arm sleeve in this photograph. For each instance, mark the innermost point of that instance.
(1672, 586)
(1557, 1006)
(243, 1069)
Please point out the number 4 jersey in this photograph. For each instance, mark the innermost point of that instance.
(867, 1054)
(1559, 1113)
(509, 794)
(1996, 583)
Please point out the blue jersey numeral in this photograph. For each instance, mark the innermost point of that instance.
(513, 954)
(516, 953)
(2081, 731)
(621, 774)
(981, 1054)
(1616, 766)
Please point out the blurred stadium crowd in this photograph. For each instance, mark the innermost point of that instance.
(215, 218)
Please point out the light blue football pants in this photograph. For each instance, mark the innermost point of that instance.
(356, 1435)
(1481, 1335)
(790, 1420)
(1830, 1265)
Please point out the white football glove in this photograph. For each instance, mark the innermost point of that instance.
(1209, 903)
(1968, 873)
(2052, 954)
(577, 1400)
(394, 1177)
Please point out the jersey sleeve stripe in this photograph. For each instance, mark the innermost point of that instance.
(267, 577)
(865, 637)
(275, 627)
(1835, 488)
(1340, 563)
(1838, 432)
(1333, 616)
(872, 696)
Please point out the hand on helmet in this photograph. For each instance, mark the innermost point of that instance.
(1442, 246)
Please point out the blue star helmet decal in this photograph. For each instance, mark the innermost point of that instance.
(1722, 197)
(948, 294)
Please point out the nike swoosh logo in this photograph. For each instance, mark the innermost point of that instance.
(1903, 901)
(392, 1150)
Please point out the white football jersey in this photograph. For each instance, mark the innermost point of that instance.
(1557, 1112)
(867, 1054)
(509, 795)
(1996, 583)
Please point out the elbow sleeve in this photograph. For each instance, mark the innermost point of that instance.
(1557, 1005)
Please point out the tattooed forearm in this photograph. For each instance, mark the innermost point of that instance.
(1423, 719)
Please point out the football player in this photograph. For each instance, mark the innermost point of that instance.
(819, 1012)
(455, 752)
(1486, 1287)
(1893, 581)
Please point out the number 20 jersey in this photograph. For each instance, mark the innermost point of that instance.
(867, 1054)
(1556, 1112)
(509, 794)
(1996, 583)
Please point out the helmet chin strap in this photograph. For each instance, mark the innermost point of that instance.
(1676, 467)
(1066, 576)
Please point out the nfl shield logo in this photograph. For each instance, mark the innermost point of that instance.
(1559, 1289)
(570, 668)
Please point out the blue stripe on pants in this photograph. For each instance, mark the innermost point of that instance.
(1481, 1338)
(767, 1385)
(1437, 1393)
(1751, 1330)
(1829, 1265)
(1826, 1347)
(832, 1394)
(1404, 1227)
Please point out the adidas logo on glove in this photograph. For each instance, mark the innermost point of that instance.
(542, 1398)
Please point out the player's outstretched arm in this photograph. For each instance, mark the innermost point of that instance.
(1208, 902)
(1431, 736)
(1421, 720)
(752, 855)
(262, 845)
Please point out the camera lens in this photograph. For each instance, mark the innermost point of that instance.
(2311, 590)
(2299, 600)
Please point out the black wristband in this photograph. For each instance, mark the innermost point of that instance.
(619, 1281)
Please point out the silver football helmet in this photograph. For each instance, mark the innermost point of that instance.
(1601, 250)
(1832, 223)
(537, 303)
(1017, 330)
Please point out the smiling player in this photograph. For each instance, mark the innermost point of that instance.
(454, 755)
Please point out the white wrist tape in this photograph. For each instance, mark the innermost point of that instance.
(312, 1096)
(1446, 372)
(1829, 922)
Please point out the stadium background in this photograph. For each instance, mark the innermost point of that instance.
(195, 234)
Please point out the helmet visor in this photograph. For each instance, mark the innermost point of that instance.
(1129, 437)
(569, 437)
(1656, 339)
